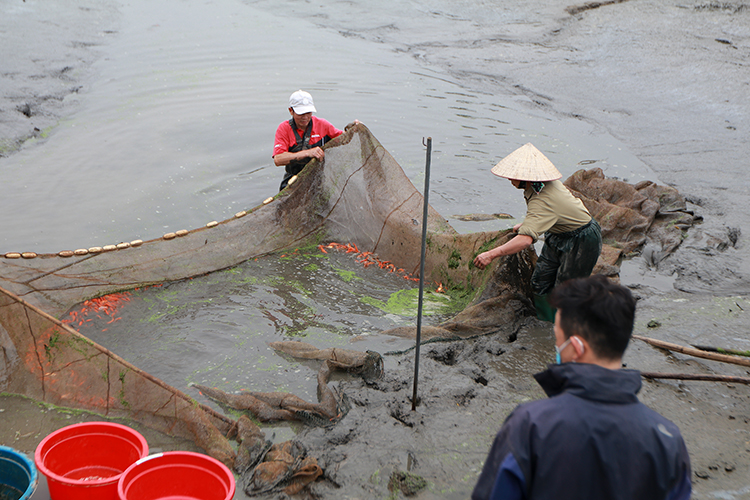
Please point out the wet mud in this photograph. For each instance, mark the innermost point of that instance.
(669, 79)
(61, 43)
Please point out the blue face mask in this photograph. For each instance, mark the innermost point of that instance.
(560, 349)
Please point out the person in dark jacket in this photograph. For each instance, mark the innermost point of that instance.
(592, 438)
(302, 137)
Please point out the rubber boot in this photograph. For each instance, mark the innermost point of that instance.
(544, 311)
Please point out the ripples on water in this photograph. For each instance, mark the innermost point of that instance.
(176, 130)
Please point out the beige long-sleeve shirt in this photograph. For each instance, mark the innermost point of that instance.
(554, 209)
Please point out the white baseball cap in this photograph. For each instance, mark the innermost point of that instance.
(301, 102)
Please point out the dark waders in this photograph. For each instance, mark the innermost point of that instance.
(295, 166)
(564, 256)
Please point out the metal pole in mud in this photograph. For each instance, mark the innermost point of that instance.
(421, 269)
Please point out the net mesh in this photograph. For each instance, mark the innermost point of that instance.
(359, 194)
(632, 216)
(330, 407)
(48, 361)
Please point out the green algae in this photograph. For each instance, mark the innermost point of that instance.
(44, 405)
(346, 275)
(121, 393)
(168, 309)
(454, 260)
(51, 344)
(406, 302)
(78, 344)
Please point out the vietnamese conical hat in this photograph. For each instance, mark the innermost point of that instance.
(527, 163)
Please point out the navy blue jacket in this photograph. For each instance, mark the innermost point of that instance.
(592, 439)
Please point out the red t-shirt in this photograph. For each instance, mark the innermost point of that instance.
(321, 130)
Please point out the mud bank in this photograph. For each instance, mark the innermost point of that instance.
(47, 52)
(466, 389)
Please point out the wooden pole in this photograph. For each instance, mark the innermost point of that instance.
(722, 350)
(724, 358)
(697, 376)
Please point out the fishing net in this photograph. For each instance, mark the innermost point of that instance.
(264, 467)
(358, 195)
(252, 444)
(47, 360)
(286, 468)
(330, 408)
(632, 216)
(368, 364)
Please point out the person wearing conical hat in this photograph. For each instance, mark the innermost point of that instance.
(572, 238)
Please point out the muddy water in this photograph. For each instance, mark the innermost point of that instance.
(174, 126)
(214, 330)
(159, 116)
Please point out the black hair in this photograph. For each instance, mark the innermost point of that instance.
(599, 310)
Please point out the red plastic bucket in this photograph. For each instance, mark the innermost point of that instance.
(177, 475)
(85, 461)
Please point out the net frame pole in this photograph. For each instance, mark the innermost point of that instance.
(428, 145)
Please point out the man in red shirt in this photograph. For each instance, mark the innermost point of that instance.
(301, 138)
